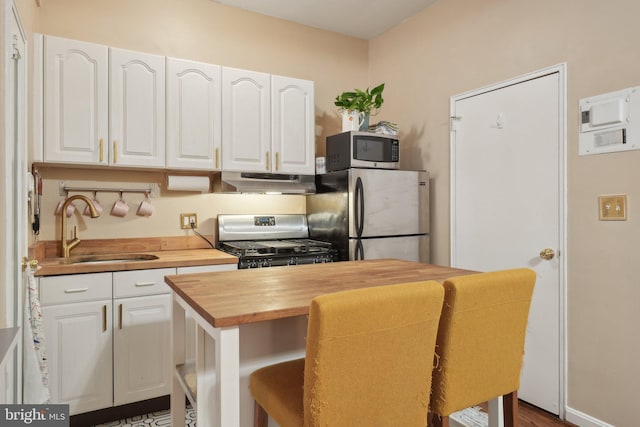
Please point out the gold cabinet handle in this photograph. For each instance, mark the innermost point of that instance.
(120, 316)
(277, 161)
(101, 150)
(104, 318)
(115, 151)
(268, 161)
(547, 253)
(217, 158)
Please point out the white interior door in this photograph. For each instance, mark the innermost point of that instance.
(507, 206)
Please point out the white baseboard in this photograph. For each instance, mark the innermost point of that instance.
(583, 420)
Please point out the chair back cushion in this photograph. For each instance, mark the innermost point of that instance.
(369, 356)
(480, 344)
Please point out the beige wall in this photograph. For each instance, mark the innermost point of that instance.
(456, 46)
(200, 30)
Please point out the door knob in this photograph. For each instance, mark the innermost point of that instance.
(29, 263)
(547, 253)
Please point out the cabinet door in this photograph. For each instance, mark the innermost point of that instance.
(194, 102)
(142, 352)
(136, 109)
(246, 122)
(79, 347)
(292, 126)
(75, 101)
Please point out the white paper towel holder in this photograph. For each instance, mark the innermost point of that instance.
(196, 183)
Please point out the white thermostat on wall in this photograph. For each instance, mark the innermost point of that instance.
(610, 122)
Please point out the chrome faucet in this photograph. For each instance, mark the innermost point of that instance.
(67, 246)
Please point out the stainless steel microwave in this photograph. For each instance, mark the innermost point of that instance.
(362, 150)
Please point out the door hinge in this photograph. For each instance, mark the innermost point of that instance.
(16, 56)
(454, 122)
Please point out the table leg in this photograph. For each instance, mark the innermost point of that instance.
(227, 388)
(218, 373)
(217, 360)
(205, 373)
(495, 412)
(178, 356)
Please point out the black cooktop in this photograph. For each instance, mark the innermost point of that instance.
(248, 248)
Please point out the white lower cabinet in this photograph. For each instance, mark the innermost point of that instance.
(107, 337)
(141, 349)
(141, 335)
(77, 323)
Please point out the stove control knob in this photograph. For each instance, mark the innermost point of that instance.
(293, 261)
(265, 263)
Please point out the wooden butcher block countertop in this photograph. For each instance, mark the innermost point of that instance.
(166, 259)
(254, 295)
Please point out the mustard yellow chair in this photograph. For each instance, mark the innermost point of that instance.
(368, 362)
(480, 344)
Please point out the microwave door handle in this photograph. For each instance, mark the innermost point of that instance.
(359, 207)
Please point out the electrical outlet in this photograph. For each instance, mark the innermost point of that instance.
(613, 208)
(187, 218)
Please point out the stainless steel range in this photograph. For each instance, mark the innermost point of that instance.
(271, 240)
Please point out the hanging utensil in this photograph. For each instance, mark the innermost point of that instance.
(37, 202)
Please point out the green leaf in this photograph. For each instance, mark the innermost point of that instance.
(361, 100)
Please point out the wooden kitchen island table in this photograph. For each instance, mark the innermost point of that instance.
(222, 302)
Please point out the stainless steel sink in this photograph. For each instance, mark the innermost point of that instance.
(107, 259)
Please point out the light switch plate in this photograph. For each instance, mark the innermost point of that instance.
(613, 207)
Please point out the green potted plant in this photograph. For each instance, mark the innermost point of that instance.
(362, 103)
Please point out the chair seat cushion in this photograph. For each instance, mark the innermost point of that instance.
(278, 389)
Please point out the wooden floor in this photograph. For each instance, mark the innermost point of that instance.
(531, 416)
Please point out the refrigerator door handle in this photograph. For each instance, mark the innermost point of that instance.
(358, 251)
(359, 207)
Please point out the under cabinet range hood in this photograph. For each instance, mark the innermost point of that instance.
(252, 182)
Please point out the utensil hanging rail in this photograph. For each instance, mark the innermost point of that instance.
(150, 190)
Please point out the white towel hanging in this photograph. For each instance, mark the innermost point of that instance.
(35, 367)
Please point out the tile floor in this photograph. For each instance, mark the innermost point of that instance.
(159, 419)
(471, 417)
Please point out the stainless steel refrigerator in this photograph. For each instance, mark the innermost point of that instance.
(372, 213)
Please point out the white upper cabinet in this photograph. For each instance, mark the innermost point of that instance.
(292, 126)
(268, 123)
(102, 106)
(194, 115)
(75, 101)
(136, 109)
(246, 122)
(98, 105)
